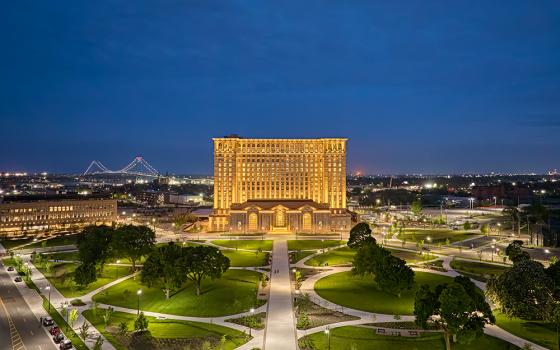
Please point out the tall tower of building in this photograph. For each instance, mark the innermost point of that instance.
(279, 185)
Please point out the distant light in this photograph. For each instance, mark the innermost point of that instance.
(472, 184)
(139, 292)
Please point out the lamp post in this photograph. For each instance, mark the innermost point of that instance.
(49, 289)
(138, 293)
(499, 229)
(328, 333)
(154, 224)
(429, 239)
(118, 262)
(251, 323)
(493, 246)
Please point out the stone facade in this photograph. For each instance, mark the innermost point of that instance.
(279, 185)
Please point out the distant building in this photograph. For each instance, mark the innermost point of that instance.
(279, 185)
(151, 197)
(28, 217)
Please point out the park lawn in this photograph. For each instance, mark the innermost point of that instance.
(240, 258)
(538, 332)
(165, 329)
(56, 241)
(478, 269)
(313, 244)
(436, 235)
(345, 256)
(299, 254)
(66, 285)
(14, 243)
(361, 293)
(68, 256)
(235, 292)
(249, 244)
(9, 262)
(361, 338)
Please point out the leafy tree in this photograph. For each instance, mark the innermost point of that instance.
(553, 272)
(200, 262)
(133, 242)
(369, 259)
(84, 330)
(107, 316)
(98, 343)
(514, 214)
(394, 276)
(141, 323)
(515, 252)
(467, 226)
(359, 235)
(416, 207)
(85, 274)
(512, 290)
(484, 229)
(184, 219)
(457, 308)
(123, 328)
(73, 317)
(94, 245)
(162, 268)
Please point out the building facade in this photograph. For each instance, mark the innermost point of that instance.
(279, 185)
(28, 217)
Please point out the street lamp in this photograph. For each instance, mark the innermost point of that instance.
(49, 289)
(138, 293)
(429, 239)
(493, 252)
(499, 229)
(252, 311)
(328, 333)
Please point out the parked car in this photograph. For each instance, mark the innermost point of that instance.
(18, 279)
(66, 344)
(58, 338)
(10, 268)
(47, 321)
(54, 330)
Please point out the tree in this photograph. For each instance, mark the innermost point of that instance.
(467, 226)
(98, 343)
(133, 242)
(391, 274)
(85, 274)
(359, 235)
(553, 272)
(512, 290)
(107, 316)
(73, 317)
(416, 207)
(94, 245)
(514, 214)
(201, 261)
(123, 328)
(162, 267)
(515, 252)
(484, 229)
(84, 330)
(141, 323)
(458, 308)
(184, 219)
(394, 276)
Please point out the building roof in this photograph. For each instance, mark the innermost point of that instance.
(267, 204)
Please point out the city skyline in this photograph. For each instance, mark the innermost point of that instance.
(426, 88)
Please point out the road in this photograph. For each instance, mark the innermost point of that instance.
(30, 332)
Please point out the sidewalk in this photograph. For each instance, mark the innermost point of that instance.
(280, 330)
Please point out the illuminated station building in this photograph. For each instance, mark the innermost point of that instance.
(279, 185)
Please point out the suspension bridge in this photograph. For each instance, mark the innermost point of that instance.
(139, 167)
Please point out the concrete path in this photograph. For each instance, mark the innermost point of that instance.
(280, 327)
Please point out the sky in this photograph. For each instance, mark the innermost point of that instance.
(416, 86)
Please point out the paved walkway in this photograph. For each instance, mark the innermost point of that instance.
(280, 327)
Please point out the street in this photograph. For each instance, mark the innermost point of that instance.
(29, 330)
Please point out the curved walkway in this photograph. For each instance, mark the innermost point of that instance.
(308, 286)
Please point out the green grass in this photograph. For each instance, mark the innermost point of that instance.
(164, 329)
(9, 262)
(235, 292)
(436, 235)
(250, 244)
(345, 256)
(68, 288)
(361, 338)
(241, 258)
(362, 293)
(538, 332)
(300, 254)
(313, 244)
(477, 270)
(55, 241)
(59, 320)
(13, 243)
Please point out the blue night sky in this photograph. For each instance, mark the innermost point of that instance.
(417, 86)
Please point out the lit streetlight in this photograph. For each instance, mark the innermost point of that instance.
(138, 293)
(328, 333)
(49, 289)
(252, 311)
